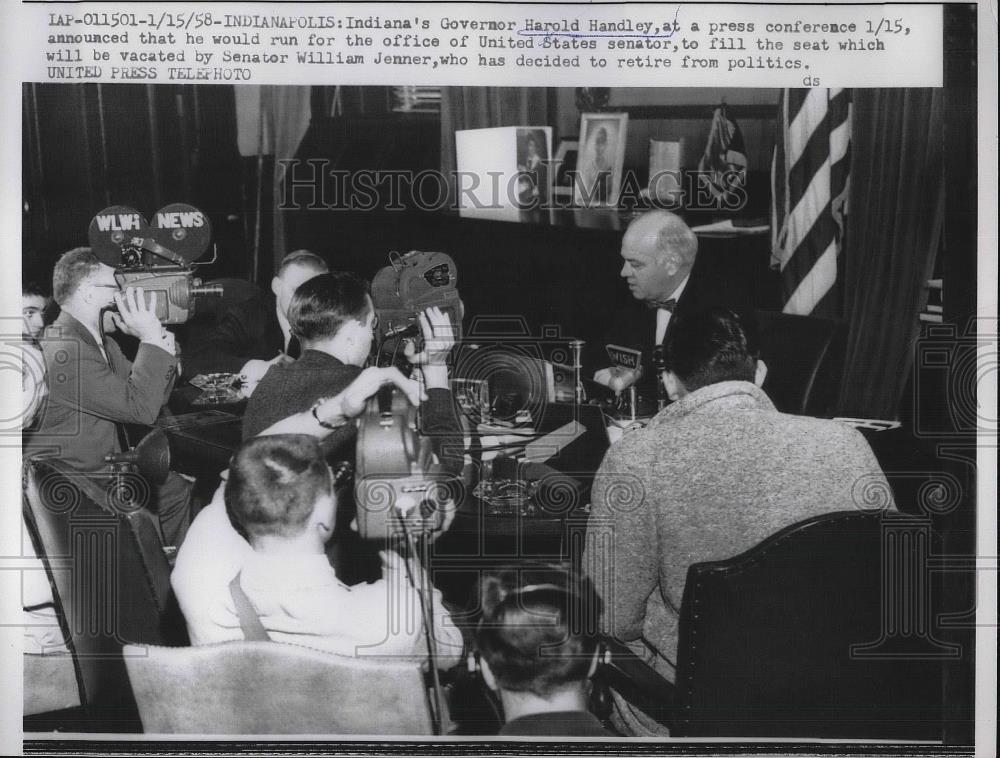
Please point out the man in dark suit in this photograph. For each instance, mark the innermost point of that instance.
(334, 318)
(93, 388)
(665, 277)
(254, 335)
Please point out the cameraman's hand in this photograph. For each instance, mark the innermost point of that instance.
(439, 339)
(138, 319)
(351, 402)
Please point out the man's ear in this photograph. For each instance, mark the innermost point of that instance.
(324, 516)
(593, 663)
(275, 285)
(488, 677)
(673, 385)
(760, 374)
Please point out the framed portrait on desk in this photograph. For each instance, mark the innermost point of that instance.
(601, 157)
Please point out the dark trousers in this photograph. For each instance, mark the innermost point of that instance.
(171, 502)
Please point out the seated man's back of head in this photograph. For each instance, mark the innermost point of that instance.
(537, 640)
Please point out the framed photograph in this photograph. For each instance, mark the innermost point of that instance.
(533, 165)
(564, 166)
(601, 156)
(517, 156)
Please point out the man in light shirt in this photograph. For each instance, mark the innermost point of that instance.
(280, 494)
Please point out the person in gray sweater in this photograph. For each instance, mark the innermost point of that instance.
(713, 474)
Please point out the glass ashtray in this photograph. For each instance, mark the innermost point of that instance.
(217, 388)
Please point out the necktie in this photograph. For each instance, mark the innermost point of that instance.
(293, 348)
(668, 305)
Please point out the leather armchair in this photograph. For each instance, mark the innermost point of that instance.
(820, 631)
(804, 357)
(110, 583)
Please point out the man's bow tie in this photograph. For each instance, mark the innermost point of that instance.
(667, 305)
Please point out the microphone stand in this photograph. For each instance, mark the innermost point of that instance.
(577, 346)
(424, 590)
(659, 364)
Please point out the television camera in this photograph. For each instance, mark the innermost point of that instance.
(159, 258)
(411, 283)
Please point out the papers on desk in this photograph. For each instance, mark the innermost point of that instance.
(551, 444)
(873, 424)
(529, 446)
(727, 228)
(619, 427)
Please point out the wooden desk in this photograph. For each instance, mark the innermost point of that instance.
(203, 440)
(202, 437)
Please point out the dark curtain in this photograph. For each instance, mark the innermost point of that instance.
(271, 121)
(895, 216)
(484, 107)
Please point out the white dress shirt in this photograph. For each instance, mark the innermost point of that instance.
(663, 315)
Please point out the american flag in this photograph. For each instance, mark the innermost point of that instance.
(809, 184)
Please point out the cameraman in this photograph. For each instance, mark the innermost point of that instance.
(93, 388)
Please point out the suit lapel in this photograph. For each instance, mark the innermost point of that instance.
(275, 339)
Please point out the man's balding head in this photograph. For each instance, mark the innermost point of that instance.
(659, 251)
(295, 268)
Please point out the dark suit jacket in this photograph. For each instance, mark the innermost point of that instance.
(295, 387)
(634, 325)
(245, 331)
(88, 397)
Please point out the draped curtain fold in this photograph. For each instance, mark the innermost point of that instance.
(271, 121)
(895, 218)
(484, 107)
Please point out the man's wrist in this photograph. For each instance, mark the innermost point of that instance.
(329, 413)
(435, 376)
(160, 339)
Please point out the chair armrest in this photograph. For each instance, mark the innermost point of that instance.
(636, 681)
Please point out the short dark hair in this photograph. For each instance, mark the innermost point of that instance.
(274, 483)
(71, 269)
(710, 346)
(538, 630)
(306, 259)
(35, 288)
(322, 305)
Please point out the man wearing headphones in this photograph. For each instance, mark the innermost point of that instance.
(538, 648)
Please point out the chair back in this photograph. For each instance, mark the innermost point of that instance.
(110, 581)
(804, 357)
(275, 688)
(794, 638)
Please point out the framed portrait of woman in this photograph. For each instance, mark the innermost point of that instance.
(599, 164)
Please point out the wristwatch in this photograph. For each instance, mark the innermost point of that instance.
(315, 415)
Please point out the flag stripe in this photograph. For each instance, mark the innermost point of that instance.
(801, 261)
(810, 180)
(820, 280)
